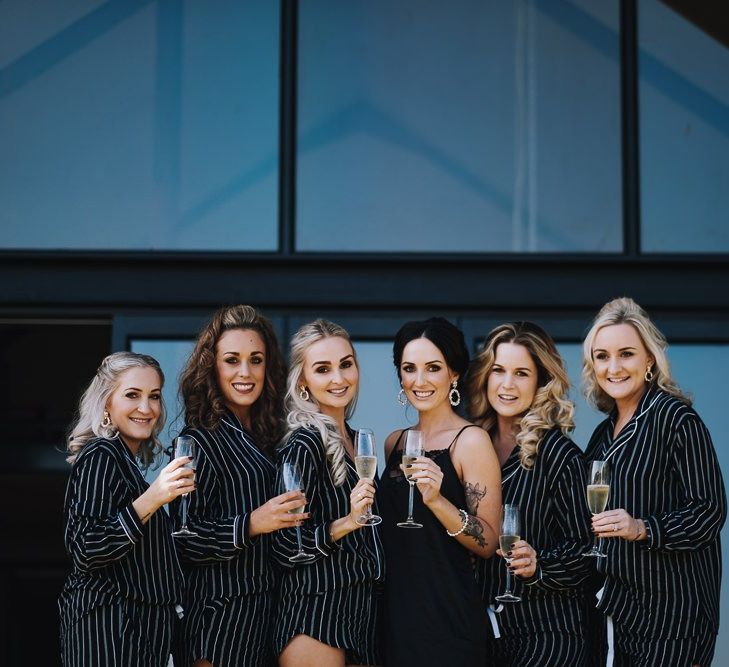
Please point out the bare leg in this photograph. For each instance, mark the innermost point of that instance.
(305, 651)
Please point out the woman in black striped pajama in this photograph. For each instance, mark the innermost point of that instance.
(326, 614)
(232, 387)
(118, 605)
(518, 393)
(667, 502)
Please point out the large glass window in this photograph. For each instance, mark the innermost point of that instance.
(466, 127)
(684, 134)
(145, 125)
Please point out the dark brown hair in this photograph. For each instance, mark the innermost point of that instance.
(201, 395)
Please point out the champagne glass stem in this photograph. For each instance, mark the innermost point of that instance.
(298, 538)
(410, 502)
(508, 579)
(183, 510)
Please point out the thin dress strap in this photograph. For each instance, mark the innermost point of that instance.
(459, 433)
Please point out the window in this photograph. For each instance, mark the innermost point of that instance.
(139, 126)
(461, 127)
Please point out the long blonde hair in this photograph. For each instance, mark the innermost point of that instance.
(550, 407)
(305, 413)
(93, 404)
(626, 311)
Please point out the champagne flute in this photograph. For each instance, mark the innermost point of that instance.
(510, 532)
(184, 445)
(292, 482)
(598, 492)
(413, 449)
(366, 463)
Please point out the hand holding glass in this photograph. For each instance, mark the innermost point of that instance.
(510, 532)
(598, 492)
(366, 463)
(292, 482)
(413, 449)
(184, 445)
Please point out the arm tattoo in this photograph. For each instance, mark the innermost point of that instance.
(475, 530)
(474, 495)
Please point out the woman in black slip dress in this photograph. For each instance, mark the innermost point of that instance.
(432, 610)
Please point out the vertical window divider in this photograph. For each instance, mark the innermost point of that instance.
(287, 127)
(629, 108)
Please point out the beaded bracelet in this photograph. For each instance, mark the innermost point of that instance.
(464, 518)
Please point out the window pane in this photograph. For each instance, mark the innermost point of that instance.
(145, 126)
(684, 134)
(377, 406)
(468, 126)
(172, 356)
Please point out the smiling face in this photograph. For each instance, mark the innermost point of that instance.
(512, 381)
(331, 375)
(620, 360)
(135, 405)
(424, 374)
(240, 368)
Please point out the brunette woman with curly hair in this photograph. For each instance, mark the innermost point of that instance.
(518, 394)
(232, 388)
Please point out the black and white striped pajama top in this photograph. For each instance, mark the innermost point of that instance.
(229, 576)
(331, 598)
(547, 627)
(663, 470)
(118, 605)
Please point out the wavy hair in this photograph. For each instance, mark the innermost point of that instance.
(199, 388)
(626, 311)
(305, 413)
(93, 404)
(550, 407)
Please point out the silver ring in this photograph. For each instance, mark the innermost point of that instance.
(615, 528)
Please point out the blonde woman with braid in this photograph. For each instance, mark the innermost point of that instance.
(518, 394)
(327, 611)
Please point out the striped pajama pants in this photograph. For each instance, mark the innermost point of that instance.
(631, 651)
(125, 634)
(545, 649)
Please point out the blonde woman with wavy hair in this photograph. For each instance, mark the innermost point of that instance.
(518, 393)
(327, 613)
(125, 568)
(667, 502)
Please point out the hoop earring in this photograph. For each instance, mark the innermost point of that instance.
(106, 421)
(304, 394)
(648, 375)
(454, 396)
(402, 399)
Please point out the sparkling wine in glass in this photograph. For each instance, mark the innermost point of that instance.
(413, 449)
(510, 532)
(184, 445)
(292, 482)
(598, 492)
(366, 463)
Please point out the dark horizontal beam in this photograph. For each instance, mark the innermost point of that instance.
(473, 284)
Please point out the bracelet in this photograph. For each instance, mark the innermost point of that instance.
(464, 518)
